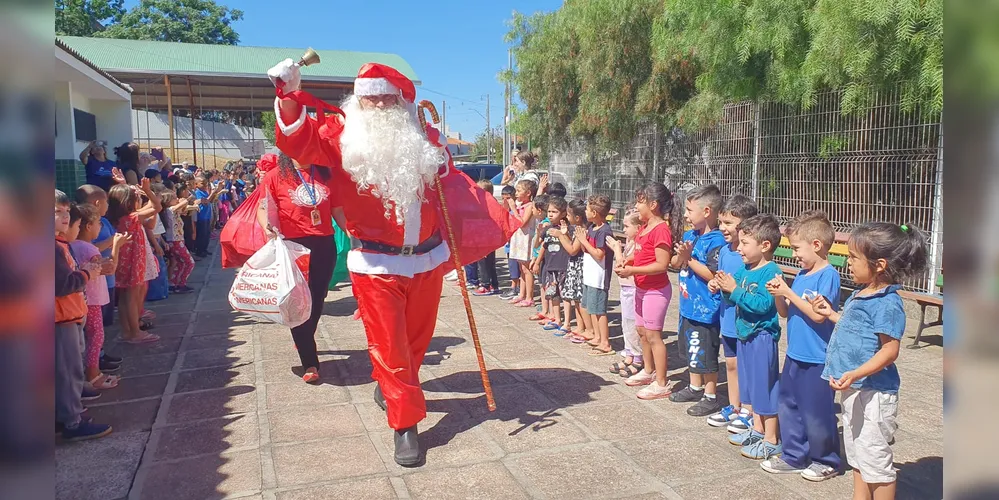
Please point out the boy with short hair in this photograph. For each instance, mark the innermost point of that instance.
(488, 281)
(737, 209)
(514, 291)
(805, 408)
(697, 258)
(759, 330)
(70, 312)
(598, 262)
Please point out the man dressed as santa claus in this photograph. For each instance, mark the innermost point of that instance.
(383, 165)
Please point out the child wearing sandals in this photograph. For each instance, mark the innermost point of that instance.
(597, 270)
(127, 215)
(860, 359)
(573, 290)
(653, 247)
(632, 353)
(556, 249)
(541, 216)
(520, 243)
(96, 293)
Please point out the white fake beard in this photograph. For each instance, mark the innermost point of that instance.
(386, 150)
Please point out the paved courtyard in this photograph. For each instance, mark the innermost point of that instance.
(216, 409)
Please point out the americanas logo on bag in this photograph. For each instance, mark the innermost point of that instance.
(270, 285)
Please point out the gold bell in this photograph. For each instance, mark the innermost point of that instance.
(310, 57)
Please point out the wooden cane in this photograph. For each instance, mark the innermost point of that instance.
(490, 401)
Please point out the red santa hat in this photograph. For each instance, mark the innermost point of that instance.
(267, 162)
(379, 79)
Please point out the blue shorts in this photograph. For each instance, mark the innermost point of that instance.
(514, 266)
(729, 345)
(758, 373)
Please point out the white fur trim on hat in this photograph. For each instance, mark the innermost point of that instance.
(293, 127)
(374, 86)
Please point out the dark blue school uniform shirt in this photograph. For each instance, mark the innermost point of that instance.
(205, 210)
(857, 338)
(731, 262)
(806, 339)
(696, 302)
(99, 172)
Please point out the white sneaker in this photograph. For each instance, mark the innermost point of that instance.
(654, 391)
(451, 276)
(640, 378)
(741, 424)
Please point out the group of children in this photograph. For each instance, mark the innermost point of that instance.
(732, 295)
(117, 249)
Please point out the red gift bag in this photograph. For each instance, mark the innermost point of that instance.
(242, 235)
(481, 225)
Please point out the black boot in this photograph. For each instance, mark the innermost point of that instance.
(407, 447)
(379, 397)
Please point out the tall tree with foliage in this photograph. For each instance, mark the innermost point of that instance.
(189, 21)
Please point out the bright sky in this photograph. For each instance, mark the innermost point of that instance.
(455, 46)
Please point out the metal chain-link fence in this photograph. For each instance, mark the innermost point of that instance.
(879, 163)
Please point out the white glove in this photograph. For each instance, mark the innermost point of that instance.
(286, 71)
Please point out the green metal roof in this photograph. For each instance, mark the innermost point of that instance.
(145, 56)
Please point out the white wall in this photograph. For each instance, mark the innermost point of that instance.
(114, 122)
(65, 141)
(218, 139)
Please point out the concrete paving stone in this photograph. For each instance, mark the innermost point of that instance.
(234, 331)
(218, 356)
(147, 365)
(214, 305)
(594, 471)
(612, 422)
(467, 378)
(314, 422)
(190, 406)
(920, 386)
(445, 446)
(750, 484)
(206, 477)
(541, 369)
(216, 341)
(98, 469)
(919, 463)
(135, 388)
(172, 321)
(511, 400)
(164, 345)
(283, 395)
(175, 304)
(838, 487)
(530, 430)
(285, 349)
(584, 389)
(207, 436)
(675, 457)
(288, 370)
(326, 460)
(378, 488)
(480, 481)
(126, 417)
(918, 417)
(215, 378)
(222, 323)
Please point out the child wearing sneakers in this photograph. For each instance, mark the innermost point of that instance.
(555, 251)
(805, 403)
(759, 330)
(697, 259)
(632, 353)
(860, 359)
(488, 280)
(522, 206)
(737, 209)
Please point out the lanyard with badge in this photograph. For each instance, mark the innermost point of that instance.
(316, 219)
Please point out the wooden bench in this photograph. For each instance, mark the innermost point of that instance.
(926, 300)
(837, 258)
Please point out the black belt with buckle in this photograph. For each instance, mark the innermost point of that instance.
(427, 245)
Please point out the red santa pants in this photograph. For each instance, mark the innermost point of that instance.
(399, 316)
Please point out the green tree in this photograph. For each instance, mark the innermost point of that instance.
(189, 21)
(267, 122)
(85, 17)
(482, 145)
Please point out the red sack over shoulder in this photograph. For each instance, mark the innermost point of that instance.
(481, 225)
(242, 235)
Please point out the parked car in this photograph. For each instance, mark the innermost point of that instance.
(480, 171)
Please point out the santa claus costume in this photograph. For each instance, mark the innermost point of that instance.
(383, 165)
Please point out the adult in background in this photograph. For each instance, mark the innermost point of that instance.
(95, 158)
(304, 205)
(383, 165)
(128, 162)
(521, 168)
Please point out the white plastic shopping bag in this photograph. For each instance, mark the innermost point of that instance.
(270, 286)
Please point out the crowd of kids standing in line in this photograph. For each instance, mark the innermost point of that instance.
(130, 235)
(731, 294)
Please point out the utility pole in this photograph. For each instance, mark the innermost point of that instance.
(444, 121)
(506, 111)
(489, 134)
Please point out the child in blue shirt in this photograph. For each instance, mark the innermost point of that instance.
(759, 330)
(860, 358)
(514, 291)
(696, 256)
(805, 406)
(737, 209)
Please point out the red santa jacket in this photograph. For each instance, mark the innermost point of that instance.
(310, 142)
